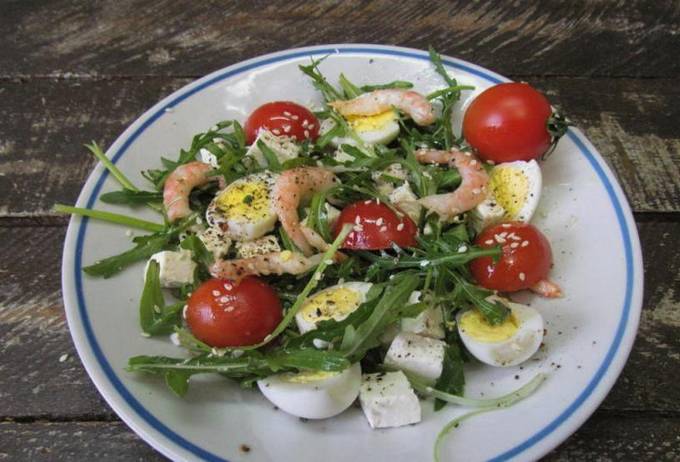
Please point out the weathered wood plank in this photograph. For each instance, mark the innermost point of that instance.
(33, 333)
(603, 437)
(610, 38)
(632, 122)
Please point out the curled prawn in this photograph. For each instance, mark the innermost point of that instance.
(285, 262)
(179, 184)
(292, 187)
(547, 288)
(407, 101)
(471, 190)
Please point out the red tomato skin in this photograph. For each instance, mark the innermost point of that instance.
(533, 260)
(368, 234)
(223, 313)
(282, 118)
(507, 122)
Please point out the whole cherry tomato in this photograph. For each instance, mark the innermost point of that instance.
(508, 122)
(223, 313)
(526, 257)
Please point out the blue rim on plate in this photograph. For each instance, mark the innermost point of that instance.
(183, 94)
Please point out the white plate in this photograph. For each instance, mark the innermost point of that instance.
(590, 332)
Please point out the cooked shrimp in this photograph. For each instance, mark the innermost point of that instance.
(407, 101)
(178, 186)
(292, 187)
(547, 288)
(285, 262)
(471, 190)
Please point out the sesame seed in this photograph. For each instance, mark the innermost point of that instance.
(424, 263)
(499, 239)
(305, 123)
(328, 262)
(128, 232)
(357, 220)
(489, 241)
(462, 249)
(224, 299)
(294, 117)
(476, 191)
(287, 114)
(525, 243)
(306, 133)
(63, 357)
(367, 202)
(311, 126)
(174, 338)
(276, 131)
(157, 308)
(467, 154)
(358, 228)
(473, 162)
(379, 222)
(505, 225)
(514, 245)
(216, 293)
(383, 229)
(318, 276)
(504, 234)
(228, 286)
(522, 276)
(184, 311)
(286, 128)
(400, 226)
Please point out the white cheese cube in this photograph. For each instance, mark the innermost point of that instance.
(487, 213)
(283, 147)
(388, 400)
(421, 356)
(175, 268)
(404, 198)
(261, 246)
(429, 323)
(208, 157)
(216, 241)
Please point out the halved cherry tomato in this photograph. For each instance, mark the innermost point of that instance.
(526, 257)
(282, 118)
(375, 226)
(508, 122)
(223, 313)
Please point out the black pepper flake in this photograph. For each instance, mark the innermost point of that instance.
(244, 448)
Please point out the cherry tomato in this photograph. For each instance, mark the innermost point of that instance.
(507, 122)
(375, 226)
(223, 313)
(282, 118)
(526, 257)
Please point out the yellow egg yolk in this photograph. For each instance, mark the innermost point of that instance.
(336, 303)
(372, 122)
(246, 200)
(472, 322)
(510, 188)
(307, 376)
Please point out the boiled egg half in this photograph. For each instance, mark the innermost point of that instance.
(336, 302)
(313, 394)
(380, 128)
(243, 210)
(507, 344)
(513, 193)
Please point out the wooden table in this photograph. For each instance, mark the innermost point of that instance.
(73, 71)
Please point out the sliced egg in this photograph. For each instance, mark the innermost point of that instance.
(380, 128)
(336, 302)
(243, 210)
(513, 193)
(313, 394)
(507, 344)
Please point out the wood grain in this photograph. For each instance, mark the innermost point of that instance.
(33, 333)
(186, 38)
(632, 122)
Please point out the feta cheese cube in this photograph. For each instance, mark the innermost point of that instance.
(175, 268)
(388, 400)
(208, 157)
(418, 355)
(487, 213)
(429, 323)
(404, 198)
(261, 246)
(216, 241)
(284, 147)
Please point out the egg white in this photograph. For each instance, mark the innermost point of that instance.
(303, 396)
(517, 348)
(242, 222)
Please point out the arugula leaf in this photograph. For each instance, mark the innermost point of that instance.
(318, 216)
(198, 250)
(146, 247)
(154, 317)
(273, 163)
(385, 86)
(129, 197)
(452, 378)
(319, 81)
(494, 312)
(110, 217)
(350, 90)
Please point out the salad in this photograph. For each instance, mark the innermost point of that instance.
(357, 251)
